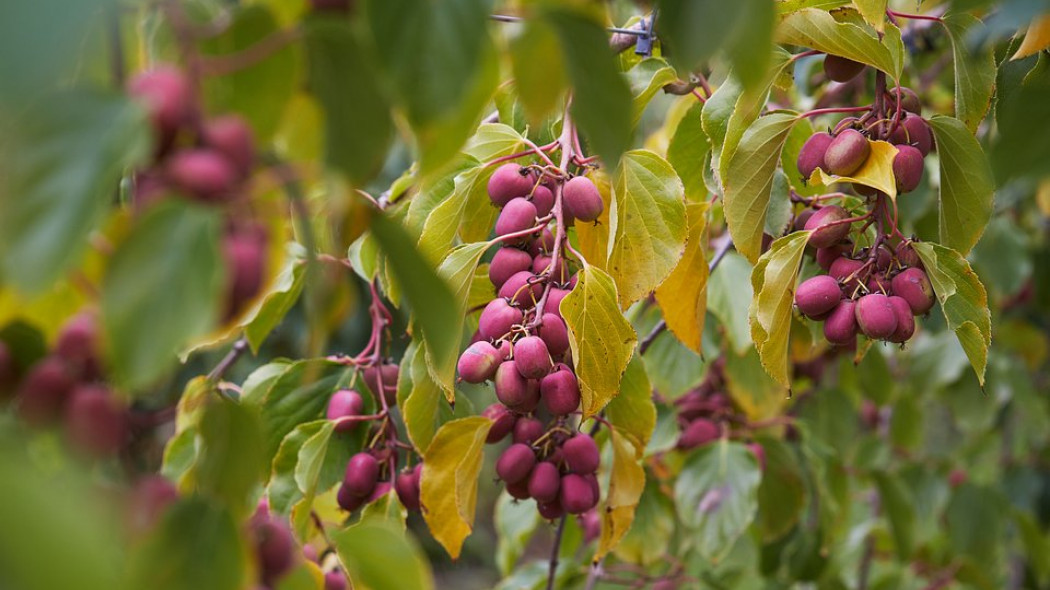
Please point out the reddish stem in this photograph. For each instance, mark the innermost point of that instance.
(906, 15)
(817, 112)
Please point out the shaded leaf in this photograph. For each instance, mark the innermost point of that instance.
(967, 186)
(539, 70)
(727, 290)
(819, 30)
(974, 69)
(632, 412)
(773, 280)
(378, 554)
(686, 152)
(515, 522)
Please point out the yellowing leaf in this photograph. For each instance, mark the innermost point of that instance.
(626, 483)
(683, 296)
(647, 220)
(593, 238)
(876, 172)
(1036, 39)
(773, 280)
(819, 30)
(601, 339)
(873, 11)
(449, 487)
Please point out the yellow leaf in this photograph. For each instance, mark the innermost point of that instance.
(1036, 39)
(773, 281)
(877, 171)
(601, 339)
(683, 295)
(593, 238)
(626, 484)
(449, 487)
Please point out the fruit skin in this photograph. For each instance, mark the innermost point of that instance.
(502, 422)
(344, 403)
(919, 134)
(905, 320)
(273, 546)
(560, 391)
(203, 173)
(554, 333)
(542, 244)
(823, 235)
(907, 256)
(516, 463)
(513, 390)
(843, 268)
(907, 168)
(554, 297)
(875, 316)
(543, 199)
(407, 487)
(811, 156)
(245, 255)
(498, 318)
(841, 69)
(478, 362)
(699, 432)
(347, 500)
(509, 181)
(581, 454)
(846, 153)
(517, 289)
(388, 371)
(362, 472)
(550, 510)
(542, 262)
(518, 215)
(96, 423)
(506, 263)
(576, 495)
(527, 430)
(531, 357)
(799, 223)
(827, 256)
(759, 453)
(519, 490)
(334, 580)
(818, 295)
(232, 137)
(841, 326)
(909, 100)
(165, 92)
(878, 283)
(148, 501)
(582, 199)
(44, 391)
(544, 482)
(914, 287)
(78, 345)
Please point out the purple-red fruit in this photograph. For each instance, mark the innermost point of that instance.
(840, 327)
(803, 216)
(362, 472)
(699, 432)
(759, 453)
(544, 482)
(506, 263)
(347, 500)
(78, 344)
(478, 362)
(582, 199)
(43, 393)
(542, 244)
(527, 430)
(522, 289)
(919, 133)
(95, 421)
(334, 580)
(516, 463)
(166, 94)
(518, 215)
(560, 391)
(203, 173)
(878, 283)
(827, 256)
(509, 181)
(554, 297)
(407, 487)
(818, 295)
(232, 137)
(245, 255)
(344, 404)
(875, 316)
(550, 510)
(531, 357)
(907, 168)
(845, 270)
(147, 502)
(841, 69)
(811, 156)
(543, 199)
(554, 333)
(502, 422)
(576, 494)
(580, 454)
(519, 490)
(826, 229)
(513, 390)
(907, 256)
(498, 318)
(914, 286)
(273, 546)
(542, 263)
(846, 153)
(905, 320)
(388, 373)
(909, 100)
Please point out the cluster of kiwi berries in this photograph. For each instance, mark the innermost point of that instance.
(207, 160)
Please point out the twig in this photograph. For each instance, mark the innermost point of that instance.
(222, 65)
(554, 552)
(239, 347)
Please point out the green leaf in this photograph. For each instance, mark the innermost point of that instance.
(539, 70)
(694, 30)
(175, 243)
(601, 103)
(276, 304)
(652, 530)
(963, 300)
(749, 180)
(646, 79)
(358, 126)
(873, 11)
(196, 545)
(647, 222)
(283, 491)
(967, 186)
(602, 340)
(782, 493)
(1018, 152)
(726, 289)
(819, 30)
(773, 280)
(449, 487)
(899, 506)
(515, 522)
(757, 394)
(974, 523)
(378, 554)
(457, 270)
(633, 413)
(974, 69)
(683, 295)
(422, 409)
(686, 151)
(60, 166)
(752, 43)
(231, 464)
(626, 484)
(494, 140)
(717, 495)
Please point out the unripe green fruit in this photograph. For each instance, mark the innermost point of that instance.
(827, 256)
(522, 289)
(518, 215)
(840, 327)
(560, 391)
(513, 390)
(527, 430)
(826, 231)
(498, 318)
(580, 454)
(907, 168)
(509, 181)
(698, 432)
(582, 199)
(543, 199)
(811, 156)
(576, 494)
(914, 286)
(905, 320)
(909, 100)
(554, 333)
(818, 295)
(96, 423)
(841, 69)
(478, 362)
(875, 316)
(531, 357)
(343, 404)
(544, 482)
(846, 153)
(503, 422)
(362, 472)
(845, 270)
(231, 136)
(516, 463)
(506, 263)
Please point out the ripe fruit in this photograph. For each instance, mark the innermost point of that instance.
(509, 181)
(699, 432)
(914, 287)
(43, 392)
(78, 344)
(147, 502)
(232, 137)
(554, 298)
(497, 319)
(519, 290)
(550, 510)
(846, 153)
(878, 283)
(811, 156)
(342, 404)
(273, 547)
(840, 327)
(518, 215)
(759, 453)
(542, 263)
(513, 390)
(515, 464)
(362, 472)
(203, 173)
(531, 357)
(506, 263)
(827, 256)
(560, 391)
(388, 373)
(582, 199)
(576, 494)
(909, 100)
(348, 501)
(544, 482)
(554, 333)
(824, 234)
(907, 168)
(841, 69)
(542, 244)
(478, 362)
(818, 295)
(800, 220)
(165, 92)
(919, 133)
(905, 320)
(407, 487)
(907, 256)
(245, 255)
(875, 316)
(527, 430)
(543, 199)
(581, 454)
(845, 270)
(502, 422)
(334, 580)
(95, 422)
(519, 490)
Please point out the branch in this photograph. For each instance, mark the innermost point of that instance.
(239, 347)
(554, 552)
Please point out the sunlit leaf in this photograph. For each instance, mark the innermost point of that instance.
(876, 171)
(683, 295)
(819, 30)
(773, 280)
(626, 484)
